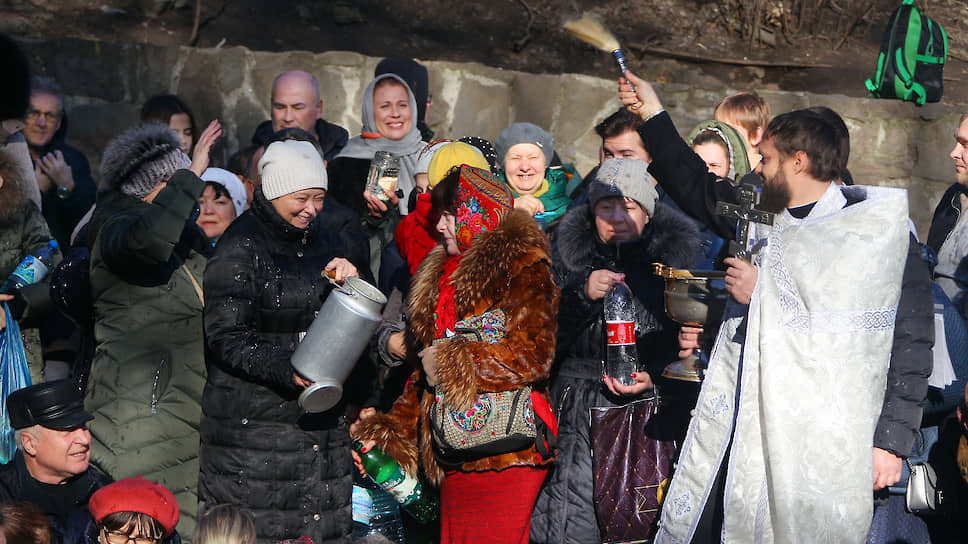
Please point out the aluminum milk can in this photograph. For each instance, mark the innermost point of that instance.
(335, 340)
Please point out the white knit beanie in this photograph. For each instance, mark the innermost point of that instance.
(232, 184)
(290, 166)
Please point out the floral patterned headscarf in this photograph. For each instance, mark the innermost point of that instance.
(482, 202)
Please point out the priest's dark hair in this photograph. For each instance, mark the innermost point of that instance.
(836, 121)
(806, 131)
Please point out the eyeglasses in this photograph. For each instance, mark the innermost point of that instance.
(116, 537)
(49, 116)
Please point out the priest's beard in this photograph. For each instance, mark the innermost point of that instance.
(776, 193)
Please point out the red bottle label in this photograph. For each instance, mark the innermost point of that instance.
(620, 333)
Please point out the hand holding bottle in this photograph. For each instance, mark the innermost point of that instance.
(365, 413)
(643, 383)
(599, 282)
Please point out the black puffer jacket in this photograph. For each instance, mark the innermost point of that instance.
(565, 511)
(259, 449)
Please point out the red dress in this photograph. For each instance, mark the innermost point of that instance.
(492, 506)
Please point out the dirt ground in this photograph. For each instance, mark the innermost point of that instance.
(833, 51)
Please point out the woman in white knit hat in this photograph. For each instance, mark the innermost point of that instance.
(221, 202)
(262, 290)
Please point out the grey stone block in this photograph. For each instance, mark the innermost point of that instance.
(232, 68)
(199, 85)
(155, 67)
(94, 125)
(343, 58)
(934, 143)
(534, 98)
(585, 101)
(243, 121)
(482, 108)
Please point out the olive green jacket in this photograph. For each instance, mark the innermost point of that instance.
(148, 373)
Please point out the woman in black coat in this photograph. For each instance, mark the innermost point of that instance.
(262, 289)
(616, 236)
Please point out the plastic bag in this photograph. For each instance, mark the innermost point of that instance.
(14, 375)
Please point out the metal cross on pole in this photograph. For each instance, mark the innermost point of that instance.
(744, 213)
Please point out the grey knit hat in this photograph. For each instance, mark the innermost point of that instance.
(290, 166)
(524, 133)
(140, 158)
(624, 178)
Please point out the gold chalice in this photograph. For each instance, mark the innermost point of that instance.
(691, 298)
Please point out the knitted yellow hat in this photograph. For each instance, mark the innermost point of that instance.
(451, 155)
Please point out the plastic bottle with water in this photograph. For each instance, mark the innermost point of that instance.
(621, 357)
(375, 512)
(31, 269)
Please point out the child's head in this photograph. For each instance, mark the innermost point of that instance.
(133, 508)
(225, 524)
(747, 113)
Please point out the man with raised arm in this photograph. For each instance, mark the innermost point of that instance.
(780, 448)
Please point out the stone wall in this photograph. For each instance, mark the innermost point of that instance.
(894, 143)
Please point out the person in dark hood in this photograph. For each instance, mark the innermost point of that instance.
(614, 237)
(295, 102)
(63, 173)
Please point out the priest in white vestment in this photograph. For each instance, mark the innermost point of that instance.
(796, 378)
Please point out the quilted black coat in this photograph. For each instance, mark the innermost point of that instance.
(259, 449)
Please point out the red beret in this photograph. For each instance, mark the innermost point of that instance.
(136, 495)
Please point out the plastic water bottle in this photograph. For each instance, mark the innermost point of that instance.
(421, 503)
(32, 269)
(376, 512)
(621, 357)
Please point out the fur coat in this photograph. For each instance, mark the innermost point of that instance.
(508, 268)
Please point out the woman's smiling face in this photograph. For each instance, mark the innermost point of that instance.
(391, 110)
(300, 208)
(524, 166)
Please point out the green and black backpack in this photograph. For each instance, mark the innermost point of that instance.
(913, 52)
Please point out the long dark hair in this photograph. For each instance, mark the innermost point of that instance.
(161, 107)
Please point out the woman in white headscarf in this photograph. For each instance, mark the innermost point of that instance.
(389, 124)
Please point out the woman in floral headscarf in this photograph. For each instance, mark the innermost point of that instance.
(493, 258)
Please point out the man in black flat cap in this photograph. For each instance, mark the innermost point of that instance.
(50, 468)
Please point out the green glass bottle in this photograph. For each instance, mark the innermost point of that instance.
(420, 502)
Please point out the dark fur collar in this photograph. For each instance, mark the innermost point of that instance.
(487, 267)
(670, 238)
